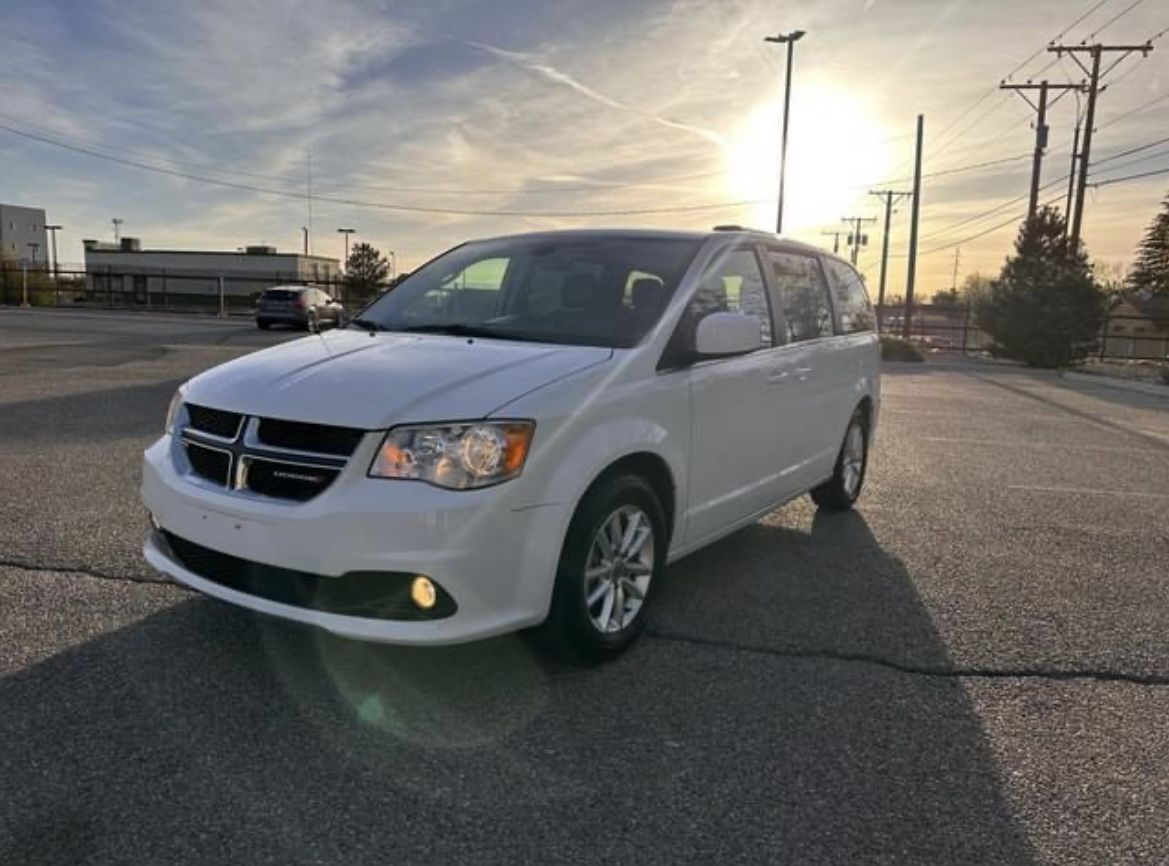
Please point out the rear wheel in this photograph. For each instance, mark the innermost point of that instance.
(613, 553)
(840, 492)
(263, 324)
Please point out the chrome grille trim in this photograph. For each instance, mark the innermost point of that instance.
(245, 449)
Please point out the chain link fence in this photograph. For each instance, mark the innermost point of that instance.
(162, 290)
(953, 328)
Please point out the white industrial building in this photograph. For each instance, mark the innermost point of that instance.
(22, 235)
(150, 276)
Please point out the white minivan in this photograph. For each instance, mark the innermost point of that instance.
(524, 432)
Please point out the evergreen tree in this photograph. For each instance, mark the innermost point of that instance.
(366, 269)
(1045, 308)
(1150, 273)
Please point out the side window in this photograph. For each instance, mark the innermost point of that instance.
(807, 312)
(472, 294)
(733, 285)
(485, 275)
(852, 301)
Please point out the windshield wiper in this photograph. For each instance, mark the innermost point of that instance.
(367, 325)
(456, 329)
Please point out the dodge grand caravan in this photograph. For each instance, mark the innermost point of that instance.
(523, 433)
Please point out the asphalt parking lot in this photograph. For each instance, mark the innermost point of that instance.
(972, 668)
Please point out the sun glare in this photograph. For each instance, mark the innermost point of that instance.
(836, 150)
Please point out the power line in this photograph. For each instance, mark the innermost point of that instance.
(298, 180)
(1131, 162)
(1132, 150)
(1140, 108)
(996, 209)
(1113, 180)
(374, 204)
(1111, 21)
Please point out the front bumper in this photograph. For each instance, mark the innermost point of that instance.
(494, 553)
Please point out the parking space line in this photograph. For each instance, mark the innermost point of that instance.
(1022, 443)
(1035, 488)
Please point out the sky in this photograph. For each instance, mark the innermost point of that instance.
(424, 124)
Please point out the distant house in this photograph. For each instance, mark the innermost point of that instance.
(1138, 327)
(126, 269)
(22, 235)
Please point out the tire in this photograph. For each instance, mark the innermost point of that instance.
(574, 629)
(263, 324)
(841, 491)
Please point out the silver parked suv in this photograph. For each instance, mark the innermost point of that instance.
(298, 306)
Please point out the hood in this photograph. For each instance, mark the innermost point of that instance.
(354, 379)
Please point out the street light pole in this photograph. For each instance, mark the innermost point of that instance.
(347, 233)
(789, 39)
(52, 230)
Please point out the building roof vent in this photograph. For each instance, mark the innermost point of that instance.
(260, 250)
(131, 245)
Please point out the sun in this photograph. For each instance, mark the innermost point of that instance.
(836, 151)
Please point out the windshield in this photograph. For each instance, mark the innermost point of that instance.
(604, 291)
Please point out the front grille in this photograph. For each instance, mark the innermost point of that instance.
(209, 463)
(300, 436)
(296, 481)
(369, 594)
(214, 421)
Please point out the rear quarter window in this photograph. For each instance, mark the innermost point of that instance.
(854, 312)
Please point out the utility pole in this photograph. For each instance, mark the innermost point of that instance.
(117, 228)
(911, 278)
(1067, 211)
(1041, 128)
(957, 260)
(790, 40)
(1094, 74)
(308, 195)
(891, 197)
(856, 240)
(305, 230)
(347, 233)
(52, 230)
(835, 241)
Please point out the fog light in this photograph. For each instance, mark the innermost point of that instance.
(423, 593)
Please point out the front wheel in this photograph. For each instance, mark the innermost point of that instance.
(613, 553)
(840, 492)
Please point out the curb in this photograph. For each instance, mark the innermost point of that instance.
(1119, 384)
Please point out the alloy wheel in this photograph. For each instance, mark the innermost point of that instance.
(618, 569)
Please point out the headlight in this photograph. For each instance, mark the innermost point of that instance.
(172, 411)
(458, 456)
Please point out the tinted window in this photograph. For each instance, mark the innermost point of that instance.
(734, 284)
(852, 301)
(599, 290)
(279, 295)
(803, 296)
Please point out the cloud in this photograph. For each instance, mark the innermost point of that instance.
(556, 76)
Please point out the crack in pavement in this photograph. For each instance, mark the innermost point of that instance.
(83, 570)
(1022, 673)
(1053, 675)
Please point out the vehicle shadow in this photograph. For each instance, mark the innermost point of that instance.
(203, 734)
(110, 414)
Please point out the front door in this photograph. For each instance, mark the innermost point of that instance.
(735, 445)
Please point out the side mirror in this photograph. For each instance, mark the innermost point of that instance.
(722, 334)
